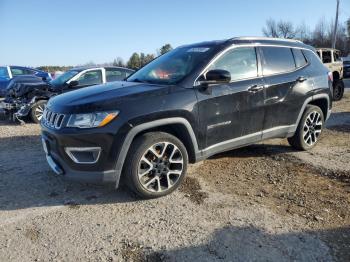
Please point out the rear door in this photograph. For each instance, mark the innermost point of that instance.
(286, 83)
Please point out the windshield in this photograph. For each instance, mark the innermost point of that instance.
(64, 77)
(3, 72)
(171, 67)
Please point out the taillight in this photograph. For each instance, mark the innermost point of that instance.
(330, 76)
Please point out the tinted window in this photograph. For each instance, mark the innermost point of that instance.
(326, 57)
(113, 74)
(300, 60)
(4, 72)
(127, 73)
(240, 62)
(17, 71)
(277, 60)
(90, 78)
(336, 57)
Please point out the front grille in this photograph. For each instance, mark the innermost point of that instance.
(52, 119)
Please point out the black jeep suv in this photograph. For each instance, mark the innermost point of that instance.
(193, 102)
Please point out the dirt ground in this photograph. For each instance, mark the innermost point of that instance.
(265, 202)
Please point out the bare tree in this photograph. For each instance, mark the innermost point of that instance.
(302, 32)
(286, 29)
(270, 29)
(319, 34)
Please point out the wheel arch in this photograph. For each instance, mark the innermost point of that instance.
(336, 75)
(177, 126)
(320, 100)
(322, 103)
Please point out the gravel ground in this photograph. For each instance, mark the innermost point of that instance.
(264, 202)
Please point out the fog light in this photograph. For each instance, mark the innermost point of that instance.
(84, 155)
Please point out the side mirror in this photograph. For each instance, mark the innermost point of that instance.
(73, 83)
(216, 76)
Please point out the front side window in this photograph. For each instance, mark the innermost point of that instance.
(3, 72)
(173, 66)
(300, 60)
(240, 62)
(113, 74)
(327, 57)
(93, 77)
(277, 60)
(17, 71)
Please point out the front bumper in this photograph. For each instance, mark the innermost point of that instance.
(58, 165)
(82, 154)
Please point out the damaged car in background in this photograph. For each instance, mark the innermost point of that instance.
(27, 96)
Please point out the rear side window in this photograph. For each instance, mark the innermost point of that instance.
(326, 57)
(336, 57)
(4, 72)
(277, 60)
(114, 75)
(300, 60)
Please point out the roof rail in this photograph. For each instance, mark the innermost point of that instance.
(265, 38)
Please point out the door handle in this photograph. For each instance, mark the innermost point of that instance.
(301, 79)
(255, 88)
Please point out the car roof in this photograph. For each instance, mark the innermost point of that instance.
(82, 68)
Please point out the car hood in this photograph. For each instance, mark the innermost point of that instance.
(103, 97)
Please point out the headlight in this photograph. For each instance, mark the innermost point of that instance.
(92, 119)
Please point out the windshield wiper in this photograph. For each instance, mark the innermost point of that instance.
(138, 81)
(142, 81)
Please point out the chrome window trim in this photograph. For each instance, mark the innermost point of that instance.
(69, 151)
(233, 46)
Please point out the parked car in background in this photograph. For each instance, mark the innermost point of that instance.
(187, 105)
(346, 66)
(9, 72)
(331, 59)
(28, 95)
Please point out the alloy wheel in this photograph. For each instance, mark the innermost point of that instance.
(39, 110)
(160, 167)
(312, 128)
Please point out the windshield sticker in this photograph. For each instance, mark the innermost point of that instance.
(198, 49)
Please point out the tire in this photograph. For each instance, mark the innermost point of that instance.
(309, 129)
(338, 90)
(156, 165)
(37, 111)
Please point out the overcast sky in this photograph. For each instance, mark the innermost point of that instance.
(66, 32)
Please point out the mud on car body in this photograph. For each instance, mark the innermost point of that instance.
(188, 104)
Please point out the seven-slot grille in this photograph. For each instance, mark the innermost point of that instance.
(52, 119)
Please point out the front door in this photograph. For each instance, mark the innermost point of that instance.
(232, 114)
